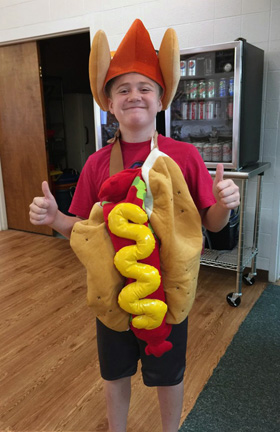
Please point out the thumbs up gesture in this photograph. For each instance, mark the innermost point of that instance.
(225, 191)
(43, 209)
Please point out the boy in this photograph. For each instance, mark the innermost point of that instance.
(135, 86)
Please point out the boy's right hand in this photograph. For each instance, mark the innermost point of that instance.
(43, 210)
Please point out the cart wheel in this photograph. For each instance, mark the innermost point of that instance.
(232, 301)
(248, 280)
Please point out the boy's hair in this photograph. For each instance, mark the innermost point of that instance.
(109, 85)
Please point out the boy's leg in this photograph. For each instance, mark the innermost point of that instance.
(167, 374)
(118, 398)
(171, 402)
(118, 356)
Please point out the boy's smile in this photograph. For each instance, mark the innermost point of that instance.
(135, 101)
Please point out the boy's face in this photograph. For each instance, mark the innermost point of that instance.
(135, 100)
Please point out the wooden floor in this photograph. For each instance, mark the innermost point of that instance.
(49, 372)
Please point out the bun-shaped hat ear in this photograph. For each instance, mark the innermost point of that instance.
(169, 63)
(135, 54)
(99, 62)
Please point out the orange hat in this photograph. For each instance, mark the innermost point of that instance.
(135, 54)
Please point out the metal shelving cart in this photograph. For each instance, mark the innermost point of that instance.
(240, 257)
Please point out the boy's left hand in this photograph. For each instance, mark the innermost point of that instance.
(225, 191)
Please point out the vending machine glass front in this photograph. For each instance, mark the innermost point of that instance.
(205, 109)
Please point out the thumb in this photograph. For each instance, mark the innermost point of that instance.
(46, 190)
(219, 173)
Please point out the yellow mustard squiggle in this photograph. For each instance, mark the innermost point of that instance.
(150, 312)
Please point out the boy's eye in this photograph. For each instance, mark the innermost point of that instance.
(123, 91)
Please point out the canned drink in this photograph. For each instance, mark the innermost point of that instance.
(211, 88)
(209, 111)
(223, 87)
(231, 86)
(201, 110)
(207, 153)
(192, 110)
(202, 89)
(227, 151)
(230, 110)
(187, 88)
(191, 67)
(217, 152)
(199, 146)
(217, 113)
(183, 67)
(184, 110)
(193, 89)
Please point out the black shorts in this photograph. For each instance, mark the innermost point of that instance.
(119, 353)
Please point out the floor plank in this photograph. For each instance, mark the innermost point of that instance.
(49, 371)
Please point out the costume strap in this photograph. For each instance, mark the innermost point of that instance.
(116, 159)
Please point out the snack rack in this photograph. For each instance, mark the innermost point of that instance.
(241, 256)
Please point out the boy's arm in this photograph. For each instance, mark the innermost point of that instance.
(64, 224)
(44, 211)
(227, 195)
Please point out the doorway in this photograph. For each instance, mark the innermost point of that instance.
(27, 155)
(69, 115)
(68, 100)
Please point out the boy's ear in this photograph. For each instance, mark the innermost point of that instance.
(110, 106)
(160, 104)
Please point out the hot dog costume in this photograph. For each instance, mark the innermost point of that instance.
(142, 242)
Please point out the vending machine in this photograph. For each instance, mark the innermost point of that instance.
(217, 106)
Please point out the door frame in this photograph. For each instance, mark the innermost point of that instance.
(3, 212)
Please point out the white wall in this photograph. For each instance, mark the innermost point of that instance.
(197, 22)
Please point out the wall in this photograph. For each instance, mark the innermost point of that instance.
(197, 22)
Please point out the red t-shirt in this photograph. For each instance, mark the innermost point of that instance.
(96, 171)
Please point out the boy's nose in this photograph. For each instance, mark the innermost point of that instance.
(134, 95)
